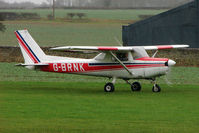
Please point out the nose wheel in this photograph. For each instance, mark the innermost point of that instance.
(156, 87)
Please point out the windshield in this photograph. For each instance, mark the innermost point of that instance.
(139, 53)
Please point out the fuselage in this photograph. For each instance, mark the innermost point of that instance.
(141, 68)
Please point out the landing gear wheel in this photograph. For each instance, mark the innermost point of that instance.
(136, 86)
(109, 87)
(156, 88)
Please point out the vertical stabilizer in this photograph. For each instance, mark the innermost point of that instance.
(31, 51)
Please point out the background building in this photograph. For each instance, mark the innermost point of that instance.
(176, 26)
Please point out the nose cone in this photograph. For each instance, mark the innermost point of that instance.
(171, 63)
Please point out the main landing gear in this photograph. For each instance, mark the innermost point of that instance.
(135, 86)
(109, 87)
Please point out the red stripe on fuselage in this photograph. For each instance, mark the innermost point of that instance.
(26, 48)
(84, 67)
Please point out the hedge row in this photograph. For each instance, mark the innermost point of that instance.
(18, 16)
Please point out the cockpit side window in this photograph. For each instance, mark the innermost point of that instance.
(121, 56)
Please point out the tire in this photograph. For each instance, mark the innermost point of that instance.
(109, 87)
(136, 86)
(156, 88)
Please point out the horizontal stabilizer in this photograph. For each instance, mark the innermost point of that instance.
(38, 64)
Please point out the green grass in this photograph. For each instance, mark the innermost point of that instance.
(83, 107)
(33, 101)
(62, 34)
(99, 14)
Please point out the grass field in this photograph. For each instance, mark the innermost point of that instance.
(72, 107)
(46, 102)
(61, 34)
(100, 27)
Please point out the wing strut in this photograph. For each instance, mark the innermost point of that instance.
(121, 63)
(155, 53)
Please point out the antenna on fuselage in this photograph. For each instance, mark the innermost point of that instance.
(118, 42)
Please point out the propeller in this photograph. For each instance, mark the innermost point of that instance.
(167, 76)
(170, 64)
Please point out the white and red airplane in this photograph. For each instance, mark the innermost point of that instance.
(113, 62)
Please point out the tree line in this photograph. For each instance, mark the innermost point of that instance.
(22, 5)
(97, 4)
(118, 3)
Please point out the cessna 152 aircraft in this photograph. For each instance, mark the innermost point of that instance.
(113, 62)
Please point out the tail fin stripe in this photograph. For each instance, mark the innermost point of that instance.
(26, 48)
(29, 50)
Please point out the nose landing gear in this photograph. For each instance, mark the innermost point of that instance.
(156, 87)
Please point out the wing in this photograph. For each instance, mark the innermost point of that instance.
(129, 48)
(92, 48)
